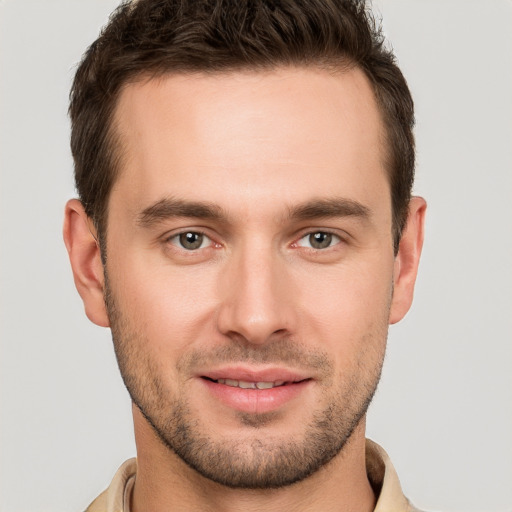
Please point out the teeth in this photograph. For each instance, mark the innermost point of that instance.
(250, 385)
(265, 385)
(247, 385)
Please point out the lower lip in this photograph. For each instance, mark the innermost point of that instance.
(256, 401)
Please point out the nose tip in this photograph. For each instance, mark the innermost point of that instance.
(254, 329)
(256, 304)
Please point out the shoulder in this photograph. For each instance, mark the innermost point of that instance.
(385, 482)
(112, 498)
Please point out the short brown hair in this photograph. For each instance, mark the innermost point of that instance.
(156, 37)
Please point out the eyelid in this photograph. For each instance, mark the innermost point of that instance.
(341, 237)
(175, 234)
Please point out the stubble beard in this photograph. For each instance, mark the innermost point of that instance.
(260, 461)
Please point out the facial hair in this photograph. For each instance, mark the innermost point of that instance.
(260, 461)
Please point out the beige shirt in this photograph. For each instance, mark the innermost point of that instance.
(381, 474)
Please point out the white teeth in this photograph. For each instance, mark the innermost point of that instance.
(247, 385)
(265, 385)
(250, 385)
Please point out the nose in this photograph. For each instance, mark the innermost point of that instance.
(257, 297)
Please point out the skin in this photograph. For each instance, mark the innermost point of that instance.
(255, 147)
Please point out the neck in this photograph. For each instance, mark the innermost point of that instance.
(164, 481)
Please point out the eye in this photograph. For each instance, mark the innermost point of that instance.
(190, 240)
(319, 240)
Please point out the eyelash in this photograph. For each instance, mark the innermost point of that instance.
(334, 237)
(177, 237)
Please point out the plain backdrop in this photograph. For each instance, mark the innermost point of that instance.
(444, 407)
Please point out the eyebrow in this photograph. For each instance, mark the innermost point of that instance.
(332, 207)
(169, 208)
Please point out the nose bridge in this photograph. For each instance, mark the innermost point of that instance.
(255, 303)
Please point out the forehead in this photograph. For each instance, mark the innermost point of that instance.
(284, 135)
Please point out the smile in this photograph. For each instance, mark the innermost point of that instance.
(250, 385)
(253, 393)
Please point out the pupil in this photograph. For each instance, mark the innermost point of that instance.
(191, 240)
(320, 240)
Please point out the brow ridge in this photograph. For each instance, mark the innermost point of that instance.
(330, 207)
(169, 207)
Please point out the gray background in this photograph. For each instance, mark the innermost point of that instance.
(444, 408)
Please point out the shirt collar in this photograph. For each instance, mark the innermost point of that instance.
(380, 470)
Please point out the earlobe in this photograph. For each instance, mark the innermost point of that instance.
(85, 257)
(407, 260)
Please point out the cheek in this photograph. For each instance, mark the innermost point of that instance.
(350, 310)
(169, 305)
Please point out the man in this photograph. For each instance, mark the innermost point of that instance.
(246, 229)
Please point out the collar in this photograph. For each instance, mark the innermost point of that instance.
(380, 470)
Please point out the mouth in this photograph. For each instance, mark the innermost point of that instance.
(255, 391)
(245, 384)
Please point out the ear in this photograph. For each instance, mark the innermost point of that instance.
(407, 260)
(85, 257)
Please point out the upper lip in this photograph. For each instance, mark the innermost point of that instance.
(246, 374)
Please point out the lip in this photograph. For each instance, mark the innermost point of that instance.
(256, 401)
(255, 374)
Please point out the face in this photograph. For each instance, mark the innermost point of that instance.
(250, 266)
